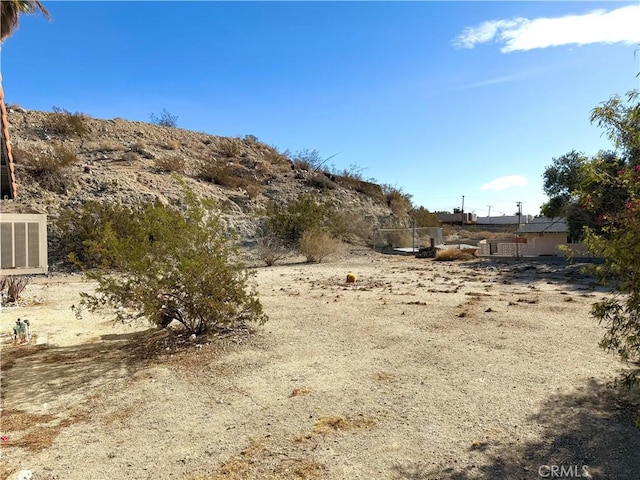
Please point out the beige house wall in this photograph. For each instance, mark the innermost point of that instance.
(547, 244)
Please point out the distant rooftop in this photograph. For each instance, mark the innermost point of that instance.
(546, 225)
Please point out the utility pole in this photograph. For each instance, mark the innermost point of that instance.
(489, 213)
(519, 204)
(461, 223)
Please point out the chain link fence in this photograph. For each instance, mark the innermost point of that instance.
(407, 237)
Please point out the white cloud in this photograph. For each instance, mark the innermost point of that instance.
(502, 183)
(621, 25)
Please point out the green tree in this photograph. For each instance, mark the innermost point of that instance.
(167, 265)
(561, 181)
(621, 121)
(10, 11)
(610, 191)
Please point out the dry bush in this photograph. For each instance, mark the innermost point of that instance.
(322, 182)
(251, 140)
(229, 147)
(170, 164)
(371, 190)
(141, 149)
(316, 246)
(230, 175)
(452, 254)
(107, 147)
(214, 172)
(274, 157)
(398, 201)
(352, 226)
(397, 238)
(51, 169)
(64, 123)
(253, 189)
(271, 250)
(14, 286)
(138, 147)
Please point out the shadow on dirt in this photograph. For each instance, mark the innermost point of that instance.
(590, 431)
(571, 276)
(40, 378)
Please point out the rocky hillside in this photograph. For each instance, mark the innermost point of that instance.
(65, 159)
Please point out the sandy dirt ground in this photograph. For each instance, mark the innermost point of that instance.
(420, 370)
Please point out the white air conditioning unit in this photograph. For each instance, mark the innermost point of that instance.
(23, 244)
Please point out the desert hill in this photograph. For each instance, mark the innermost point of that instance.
(64, 159)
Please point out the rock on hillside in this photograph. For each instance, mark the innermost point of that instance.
(65, 159)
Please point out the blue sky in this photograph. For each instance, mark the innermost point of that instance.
(441, 99)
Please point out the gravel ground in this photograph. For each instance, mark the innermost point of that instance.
(420, 370)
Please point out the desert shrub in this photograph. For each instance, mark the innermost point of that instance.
(221, 174)
(321, 181)
(398, 201)
(79, 235)
(306, 159)
(370, 189)
(452, 254)
(289, 221)
(318, 245)
(165, 119)
(12, 286)
(271, 250)
(230, 175)
(141, 149)
(173, 265)
(352, 225)
(253, 189)
(64, 123)
(398, 238)
(229, 147)
(138, 147)
(51, 169)
(273, 156)
(170, 164)
(107, 147)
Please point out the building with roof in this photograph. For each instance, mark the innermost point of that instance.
(541, 236)
(550, 236)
